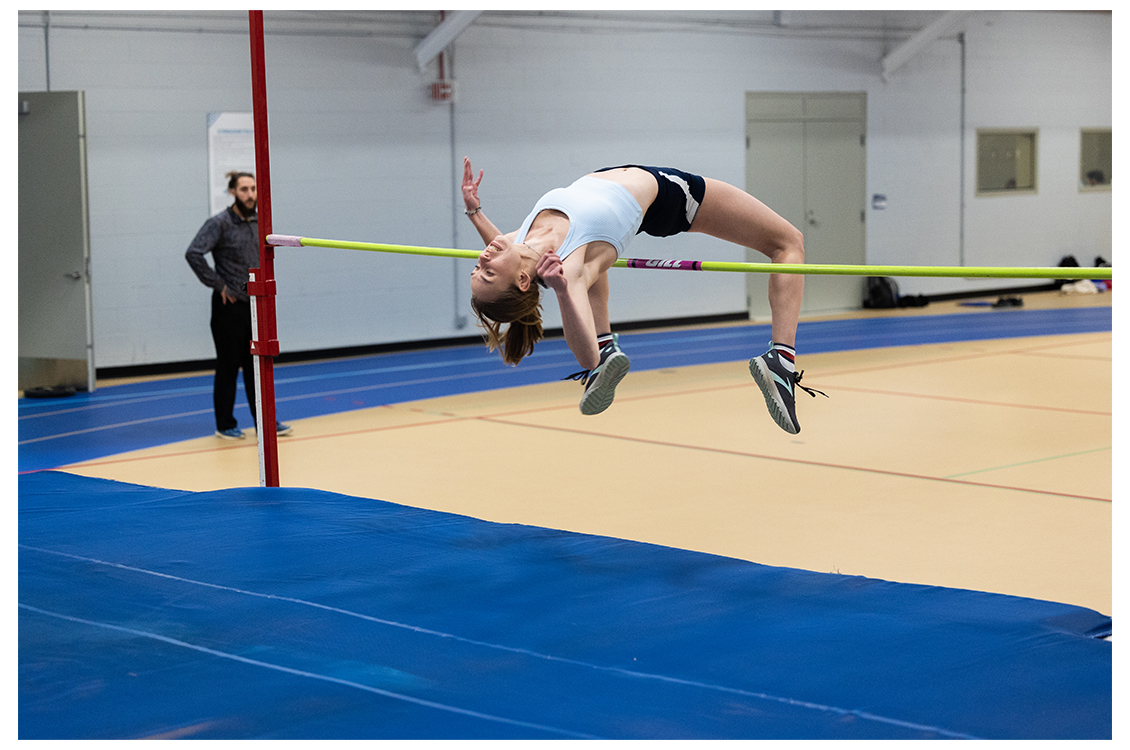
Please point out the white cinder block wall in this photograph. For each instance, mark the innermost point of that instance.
(360, 152)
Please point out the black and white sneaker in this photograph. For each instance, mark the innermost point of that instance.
(600, 383)
(776, 383)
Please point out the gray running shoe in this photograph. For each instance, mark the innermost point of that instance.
(600, 383)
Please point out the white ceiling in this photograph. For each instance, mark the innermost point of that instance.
(886, 23)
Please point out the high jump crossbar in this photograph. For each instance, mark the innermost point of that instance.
(814, 269)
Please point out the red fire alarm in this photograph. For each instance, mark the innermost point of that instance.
(443, 91)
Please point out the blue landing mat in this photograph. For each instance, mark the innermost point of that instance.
(58, 432)
(292, 613)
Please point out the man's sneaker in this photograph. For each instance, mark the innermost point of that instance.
(232, 433)
(600, 383)
(776, 384)
(283, 429)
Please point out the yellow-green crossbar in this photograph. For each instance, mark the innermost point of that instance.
(811, 269)
(817, 269)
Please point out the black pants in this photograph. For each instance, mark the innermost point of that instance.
(231, 332)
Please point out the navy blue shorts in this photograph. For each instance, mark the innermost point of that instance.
(674, 208)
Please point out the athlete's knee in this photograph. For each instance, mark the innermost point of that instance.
(789, 247)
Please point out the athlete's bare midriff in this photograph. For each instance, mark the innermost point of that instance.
(639, 182)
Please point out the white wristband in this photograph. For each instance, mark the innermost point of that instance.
(474, 211)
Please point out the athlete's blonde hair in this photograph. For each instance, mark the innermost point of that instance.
(522, 311)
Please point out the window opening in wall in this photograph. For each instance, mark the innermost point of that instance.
(1006, 161)
(1094, 159)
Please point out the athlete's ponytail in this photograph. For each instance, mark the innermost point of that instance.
(522, 310)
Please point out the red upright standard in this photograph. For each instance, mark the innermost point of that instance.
(261, 285)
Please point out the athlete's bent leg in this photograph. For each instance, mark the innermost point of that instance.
(733, 215)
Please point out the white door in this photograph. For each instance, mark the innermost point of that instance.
(56, 346)
(805, 160)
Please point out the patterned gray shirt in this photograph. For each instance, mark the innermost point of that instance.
(234, 244)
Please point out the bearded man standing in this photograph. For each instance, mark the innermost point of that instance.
(232, 236)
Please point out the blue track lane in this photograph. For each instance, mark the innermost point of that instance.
(117, 419)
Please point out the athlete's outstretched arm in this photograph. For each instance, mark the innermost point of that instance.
(484, 226)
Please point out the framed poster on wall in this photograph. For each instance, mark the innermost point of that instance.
(231, 146)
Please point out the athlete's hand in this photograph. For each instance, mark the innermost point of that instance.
(551, 271)
(471, 185)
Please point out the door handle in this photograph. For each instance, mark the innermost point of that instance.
(74, 275)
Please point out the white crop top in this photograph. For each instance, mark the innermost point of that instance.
(598, 210)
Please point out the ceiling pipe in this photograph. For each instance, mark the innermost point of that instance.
(443, 35)
(947, 23)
